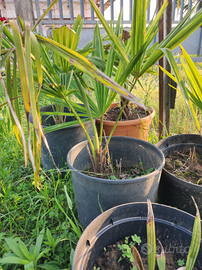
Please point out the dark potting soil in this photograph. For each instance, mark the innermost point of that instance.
(110, 258)
(121, 173)
(135, 113)
(186, 165)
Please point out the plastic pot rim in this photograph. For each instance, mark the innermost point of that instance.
(104, 217)
(44, 126)
(73, 126)
(124, 219)
(159, 143)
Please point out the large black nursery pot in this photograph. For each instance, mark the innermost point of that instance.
(172, 190)
(60, 141)
(93, 194)
(173, 229)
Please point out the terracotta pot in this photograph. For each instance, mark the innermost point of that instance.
(138, 128)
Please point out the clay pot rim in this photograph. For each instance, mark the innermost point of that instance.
(129, 122)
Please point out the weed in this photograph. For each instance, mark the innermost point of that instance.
(181, 262)
(113, 177)
(126, 247)
(141, 166)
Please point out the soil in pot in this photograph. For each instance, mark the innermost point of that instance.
(135, 124)
(121, 173)
(135, 113)
(186, 165)
(173, 228)
(112, 257)
(110, 169)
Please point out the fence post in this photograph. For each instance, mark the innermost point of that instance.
(161, 92)
(167, 81)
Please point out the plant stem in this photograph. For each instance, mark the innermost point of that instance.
(116, 121)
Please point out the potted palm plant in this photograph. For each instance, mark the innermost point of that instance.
(98, 147)
(174, 189)
(94, 194)
(114, 181)
(20, 55)
(58, 82)
(135, 58)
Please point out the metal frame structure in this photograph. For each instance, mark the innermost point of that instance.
(177, 13)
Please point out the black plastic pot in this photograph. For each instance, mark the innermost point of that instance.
(60, 141)
(173, 229)
(172, 190)
(93, 193)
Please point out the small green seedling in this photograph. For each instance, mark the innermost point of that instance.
(149, 170)
(180, 262)
(126, 247)
(113, 177)
(142, 169)
(130, 251)
(141, 166)
(136, 239)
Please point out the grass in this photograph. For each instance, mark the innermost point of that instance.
(26, 213)
(180, 119)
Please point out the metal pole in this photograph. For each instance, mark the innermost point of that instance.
(38, 14)
(161, 92)
(167, 90)
(50, 12)
(131, 10)
(102, 6)
(181, 11)
(71, 9)
(60, 9)
(112, 9)
(82, 8)
(173, 12)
